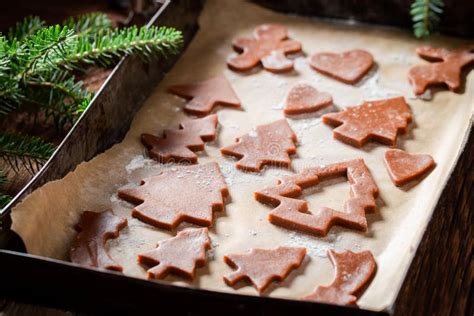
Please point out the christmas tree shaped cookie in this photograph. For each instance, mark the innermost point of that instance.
(179, 194)
(380, 120)
(179, 145)
(180, 255)
(262, 266)
(269, 144)
(206, 95)
(293, 213)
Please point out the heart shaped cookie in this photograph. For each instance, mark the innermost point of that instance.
(404, 167)
(304, 98)
(348, 67)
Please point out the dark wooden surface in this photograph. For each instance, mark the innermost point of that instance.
(456, 20)
(441, 277)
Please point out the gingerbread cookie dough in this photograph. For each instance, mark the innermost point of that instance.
(353, 272)
(180, 255)
(404, 167)
(304, 98)
(95, 228)
(348, 67)
(262, 266)
(445, 68)
(204, 96)
(380, 120)
(293, 213)
(269, 144)
(179, 145)
(179, 194)
(269, 46)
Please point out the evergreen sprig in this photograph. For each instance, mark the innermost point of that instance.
(426, 16)
(23, 29)
(20, 150)
(37, 66)
(106, 48)
(89, 23)
(33, 57)
(4, 198)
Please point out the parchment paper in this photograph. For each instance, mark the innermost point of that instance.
(45, 219)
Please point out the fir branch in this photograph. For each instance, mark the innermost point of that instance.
(25, 28)
(23, 150)
(106, 48)
(10, 93)
(89, 23)
(3, 180)
(45, 45)
(425, 16)
(4, 200)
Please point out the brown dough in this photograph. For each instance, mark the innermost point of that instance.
(380, 120)
(353, 272)
(178, 145)
(262, 266)
(304, 98)
(179, 194)
(178, 255)
(348, 67)
(404, 167)
(269, 144)
(206, 95)
(269, 46)
(95, 228)
(445, 68)
(292, 213)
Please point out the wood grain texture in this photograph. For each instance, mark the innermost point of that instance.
(440, 278)
(456, 17)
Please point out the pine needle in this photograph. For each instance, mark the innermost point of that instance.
(89, 23)
(107, 48)
(24, 151)
(29, 26)
(4, 198)
(426, 16)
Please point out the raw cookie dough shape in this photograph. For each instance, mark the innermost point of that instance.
(404, 167)
(179, 145)
(180, 255)
(353, 272)
(292, 213)
(262, 266)
(269, 144)
(179, 194)
(348, 67)
(95, 228)
(380, 120)
(206, 95)
(445, 68)
(304, 98)
(269, 46)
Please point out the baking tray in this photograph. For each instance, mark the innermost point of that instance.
(55, 283)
